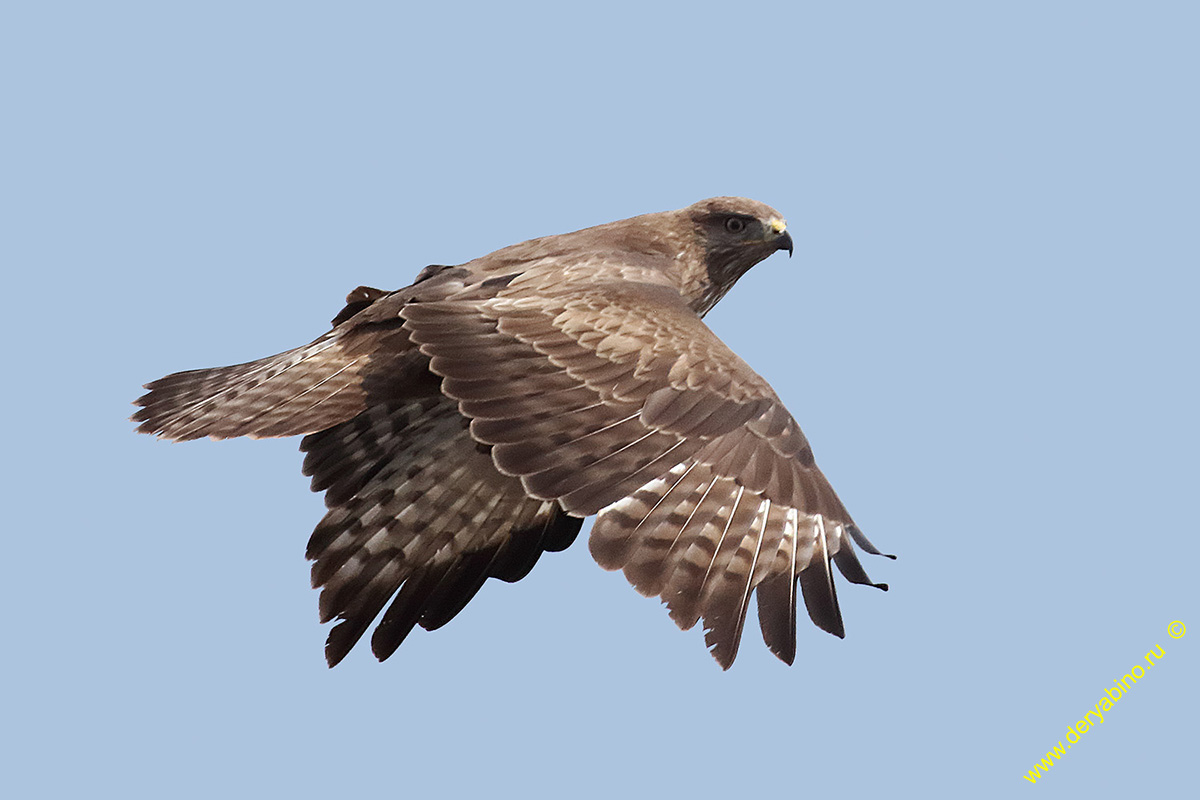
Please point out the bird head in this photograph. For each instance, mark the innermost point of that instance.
(736, 233)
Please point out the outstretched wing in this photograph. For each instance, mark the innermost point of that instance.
(418, 512)
(419, 517)
(612, 396)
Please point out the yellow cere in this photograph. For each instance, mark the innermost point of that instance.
(778, 225)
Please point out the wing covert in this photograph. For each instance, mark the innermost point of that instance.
(620, 400)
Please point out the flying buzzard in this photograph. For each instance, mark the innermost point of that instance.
(463, 425)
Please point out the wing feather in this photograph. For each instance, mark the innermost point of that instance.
(706, 487)
(419, 518)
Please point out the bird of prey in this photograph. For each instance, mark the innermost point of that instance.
(465, 424)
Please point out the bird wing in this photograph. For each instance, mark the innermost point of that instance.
(610, 395)
(418, 512)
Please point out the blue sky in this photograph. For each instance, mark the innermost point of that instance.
(988, 333)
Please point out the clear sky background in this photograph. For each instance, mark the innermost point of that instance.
(988, 332)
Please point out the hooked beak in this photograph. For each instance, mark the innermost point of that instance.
(784, 242)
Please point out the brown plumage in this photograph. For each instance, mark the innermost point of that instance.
(462, 426)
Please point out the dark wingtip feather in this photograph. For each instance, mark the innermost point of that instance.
(524, 548)
(457, 589)
(473, 569)
(820, 598)
(561, 532)
(862, 541)
(721, 656)
(405, 611)
(519, 555)
(777, 615)
(723, 630)
(848, 564)
(341, 641)
(723, 645)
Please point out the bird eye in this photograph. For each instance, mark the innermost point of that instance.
(735, 225)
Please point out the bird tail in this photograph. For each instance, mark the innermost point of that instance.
(300, 391)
